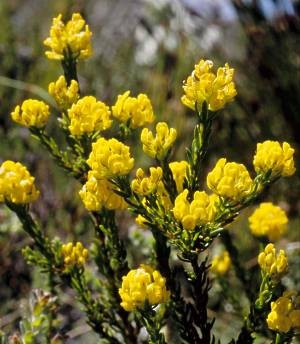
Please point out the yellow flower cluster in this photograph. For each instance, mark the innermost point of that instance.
(143, 285)
(221, 264)
(88, 115)
(74, 254)
(179, 171)
(98, 193)
(158, 146)
(146, 185)
(271, 156)
(200, 211)
(110, 158)
(63, 94)
(273, 264)
(268, 220)
(16, 183)
(203, 85)
(138, 110)
(73, 38)
(285, 313)
(32, 113)
(230, 180)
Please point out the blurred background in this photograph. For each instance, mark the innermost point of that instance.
(149, 47)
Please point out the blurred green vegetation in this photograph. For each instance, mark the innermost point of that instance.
(151, 48)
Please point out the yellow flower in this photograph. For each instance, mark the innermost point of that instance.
(271, 263)
(63, 94)
(143, 285)
(200, 211)
(16, 183)
(203, 85)
(285, 313)
(221, 264)
(158, 146)
(32, 113)
(271, 156)
(74, 254)
(98, 193)
(179, 171)
(147, 185)
(88, 115)
(230, 180)
(138, 110)
(268, 220)
(73, 38)
(110, 158)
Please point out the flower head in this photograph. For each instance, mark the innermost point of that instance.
(73, 38)
(88, 115)
(158, 146)
(16, 184)
(110, 158)
(99, 193)
(179, 171)
(63, 94)
(143, 285)
(221, 264)
(230, 180)
(268, 220)
(272, 157)
(138, 110)
(74, 255)
(200, 211)
(32, 113)
(205, 86)
(285, 313)
(143, 185)
(273, 264)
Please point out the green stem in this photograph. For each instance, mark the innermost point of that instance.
(199, 147)
(150, 320)
(69, 65)
(58, 155)
(32, 229)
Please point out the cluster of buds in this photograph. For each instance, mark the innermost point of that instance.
(268, 220)
(16, 184)
(205, 86)
(135, 111)
(141, 286)
(74, 255)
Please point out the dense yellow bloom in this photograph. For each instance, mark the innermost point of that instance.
(63, 94)
(73, 38)
(146, 185)
(268, 220)
(32, 113)
(143, 285)
(16, 183)
(285, 313)
(98, 193)
(110, 158)
(88, 115)
(179, 171)
(271, 156)
(271, 263)
(230, 180)
(203, 85)
(221, 264)
(158, 146)
(200, 211)
(74, 254)
(138, 110)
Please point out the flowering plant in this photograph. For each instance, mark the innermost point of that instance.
(185, 210)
